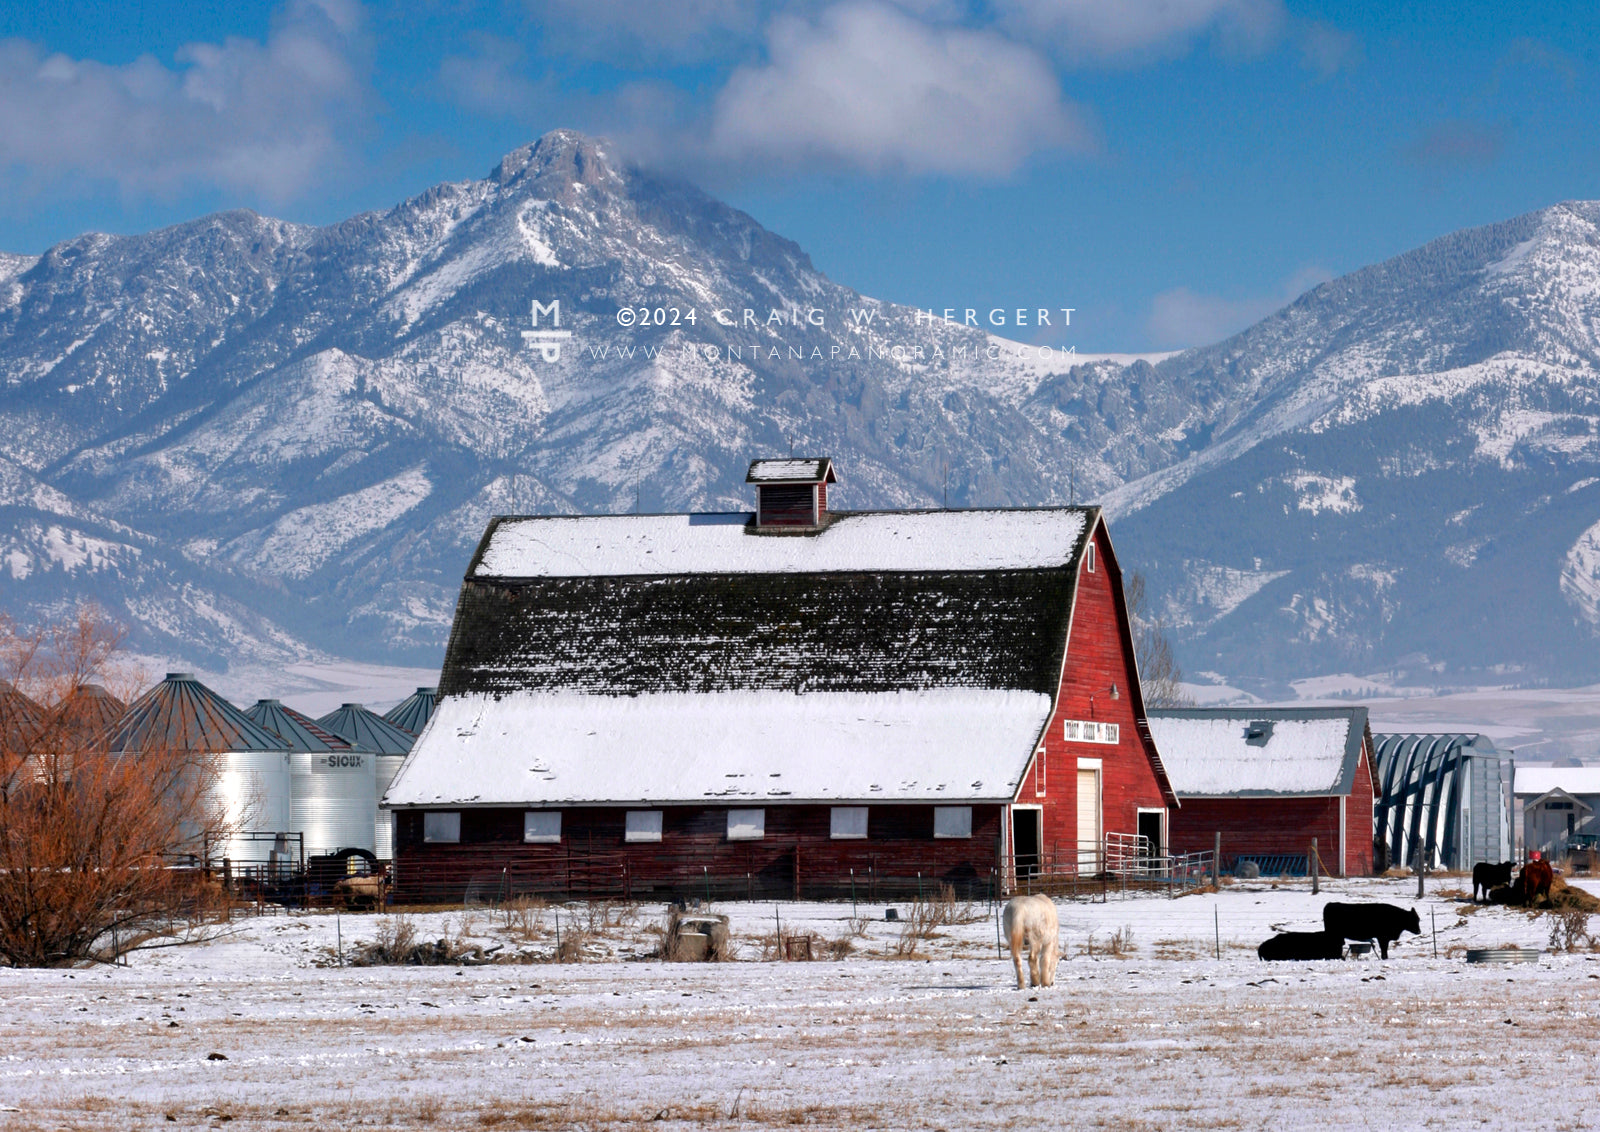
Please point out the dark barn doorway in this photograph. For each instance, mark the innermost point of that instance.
(1026, 835)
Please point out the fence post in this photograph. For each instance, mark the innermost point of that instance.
(1422, 869)
(1216, 861)
(1316, 862)
(852, 894)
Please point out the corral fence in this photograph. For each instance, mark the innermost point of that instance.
(1119, 864)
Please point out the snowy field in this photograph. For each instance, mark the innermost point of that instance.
(262, 1028)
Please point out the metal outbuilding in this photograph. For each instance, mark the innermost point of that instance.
(389, 744)
(1443, 798)
(252, 793)
(412, 713)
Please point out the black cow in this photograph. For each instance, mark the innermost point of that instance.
(1486, 877)
(1302, 945)
(1382, 922)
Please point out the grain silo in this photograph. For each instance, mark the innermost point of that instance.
(332, 781)
(252, 792)
(412, 713)
(390, 745)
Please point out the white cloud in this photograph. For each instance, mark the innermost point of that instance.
(241, 114)
(1181, 318)
(1135, 29)
(865, 85)
(488, 81)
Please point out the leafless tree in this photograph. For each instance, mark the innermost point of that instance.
(1160, 678)
(92, 840)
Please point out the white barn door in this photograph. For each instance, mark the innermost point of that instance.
(1088, 821)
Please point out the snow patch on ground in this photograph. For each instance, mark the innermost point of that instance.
(1182, 1026)
(1325, 493)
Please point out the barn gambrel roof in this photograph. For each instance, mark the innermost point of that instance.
(682, 657)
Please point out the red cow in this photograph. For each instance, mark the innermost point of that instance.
(1536, 877)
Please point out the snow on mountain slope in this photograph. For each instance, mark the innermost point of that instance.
(1407, 453)
(318, 422)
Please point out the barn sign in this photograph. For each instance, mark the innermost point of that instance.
(1088, 731)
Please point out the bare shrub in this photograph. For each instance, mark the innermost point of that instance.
(525, 917)
(840, 947)
(92, 840)
(572, 945)
(1121, 942)
(1569, 930)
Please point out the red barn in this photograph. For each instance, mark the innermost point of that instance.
(1269, 780)
(781, 703)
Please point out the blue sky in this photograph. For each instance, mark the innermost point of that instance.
(1173, 169)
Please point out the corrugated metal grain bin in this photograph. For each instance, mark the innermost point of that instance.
(334, 804)
(253, 789)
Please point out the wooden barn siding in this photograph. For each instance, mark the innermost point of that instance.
(1260, 826)
(1097, 656)
(1358, 817)
(593, 858)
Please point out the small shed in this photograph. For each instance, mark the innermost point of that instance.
(1444, 797)
(1556, 804)
(1269, 779)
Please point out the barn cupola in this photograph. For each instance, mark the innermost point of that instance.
(792, 492)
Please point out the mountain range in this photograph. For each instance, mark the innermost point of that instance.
(260, 441)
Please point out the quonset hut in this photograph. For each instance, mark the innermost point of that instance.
(252, 792)
(656, 703)
(1269, 780)
(387, 747)
(331, 782)
(1443, 798)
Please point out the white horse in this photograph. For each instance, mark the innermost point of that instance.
(1031, 924)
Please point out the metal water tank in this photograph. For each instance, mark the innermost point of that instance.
(253, 794)
(383, 836)
(334, 804)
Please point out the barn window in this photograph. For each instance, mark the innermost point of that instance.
(847, 822)
(1088, 558)
(952, 821)
(542, 826)
(643, 825)
(747, 825)
(443, 828)
(1039, 782)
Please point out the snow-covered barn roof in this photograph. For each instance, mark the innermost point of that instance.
(649, 657)
(957, 744)
(640, 604)
(793, 469)
(558, 546)
(1255, 752)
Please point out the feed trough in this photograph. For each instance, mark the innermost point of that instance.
(1503, 954)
